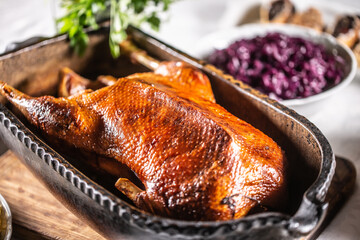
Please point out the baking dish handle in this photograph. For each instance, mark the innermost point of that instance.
(308, 217)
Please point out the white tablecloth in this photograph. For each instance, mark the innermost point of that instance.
(190, 20)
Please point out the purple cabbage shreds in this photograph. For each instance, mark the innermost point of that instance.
(280, 66)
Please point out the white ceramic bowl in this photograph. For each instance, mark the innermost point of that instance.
(305, 106)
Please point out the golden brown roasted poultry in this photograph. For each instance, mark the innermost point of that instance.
(196, 160)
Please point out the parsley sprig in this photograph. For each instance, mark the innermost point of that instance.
(81, 14)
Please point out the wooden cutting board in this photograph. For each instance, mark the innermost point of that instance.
(37, 214)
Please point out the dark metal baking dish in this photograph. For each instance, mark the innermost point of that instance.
(311, 163)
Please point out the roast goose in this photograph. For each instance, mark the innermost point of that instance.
(196, 161)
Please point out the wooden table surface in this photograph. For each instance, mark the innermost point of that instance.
(37, 214)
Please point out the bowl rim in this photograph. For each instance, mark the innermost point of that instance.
(255, 29)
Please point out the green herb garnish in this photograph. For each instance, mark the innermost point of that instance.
(85, 13)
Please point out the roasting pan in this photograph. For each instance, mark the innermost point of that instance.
(34, 69)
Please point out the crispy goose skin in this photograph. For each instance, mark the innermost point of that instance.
(71, 83)
(196, 160)
(178, 72)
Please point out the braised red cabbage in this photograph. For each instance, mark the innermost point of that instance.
(281, 66)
